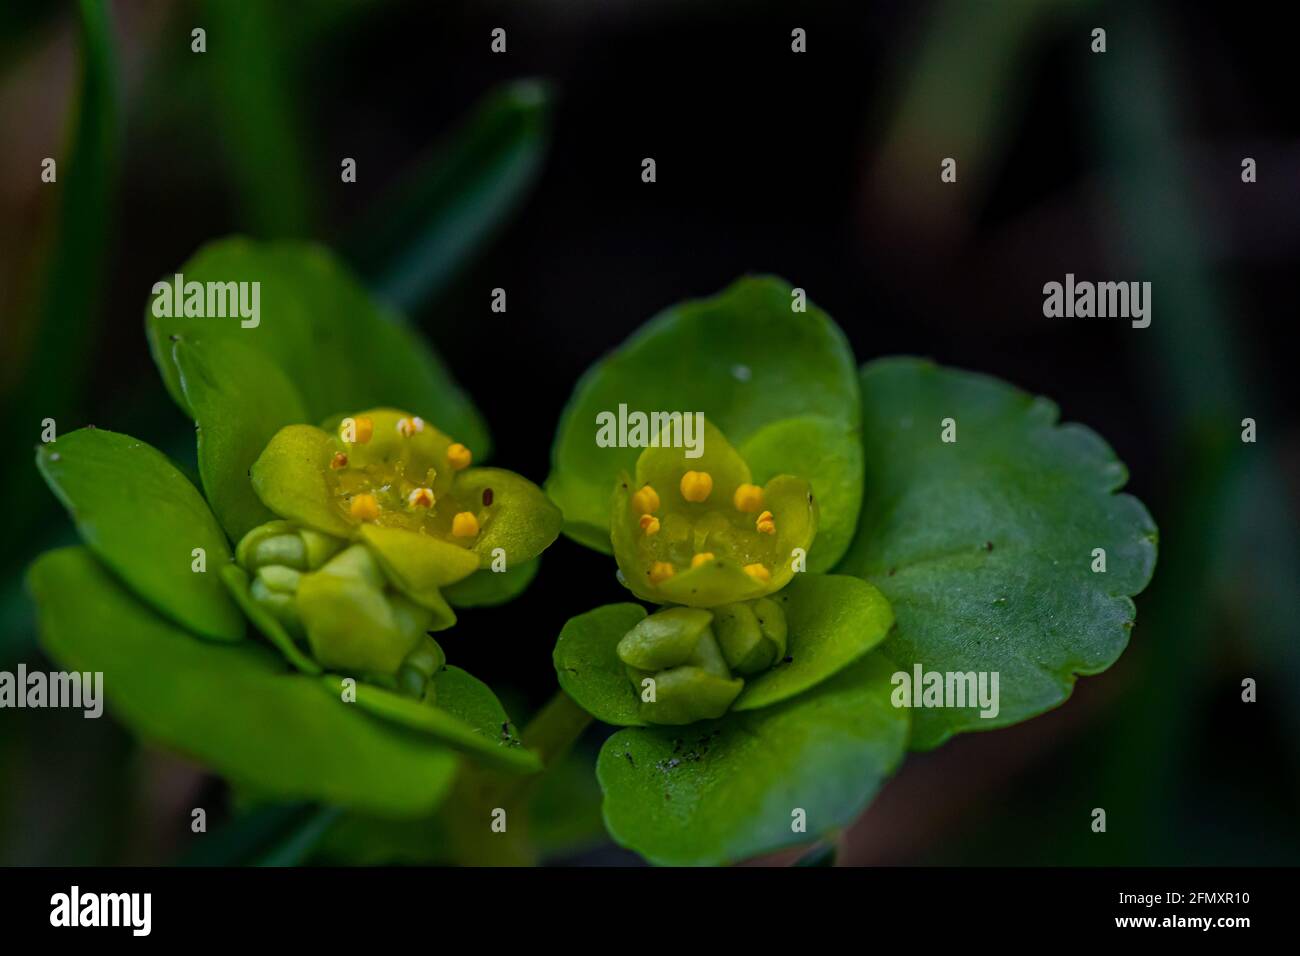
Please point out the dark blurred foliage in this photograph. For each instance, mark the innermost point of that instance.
(822, 168)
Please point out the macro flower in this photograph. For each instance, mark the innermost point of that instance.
(699, 532)
(377, 515)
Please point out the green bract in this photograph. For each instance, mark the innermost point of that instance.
(784, 693)
(346, 537)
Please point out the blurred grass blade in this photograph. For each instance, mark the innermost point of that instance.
(65, 311)
(254, 104)
(431, 224)
(275, 835)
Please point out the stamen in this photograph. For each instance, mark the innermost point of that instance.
(748, 498)
(649, 524)
(697, 485)
(458, 456)
(364, 507)
(661, 571)
(645, 501)
(339, 460)
(758, 572)
(704, 557)
(421, 498)
(406, 427)
(464, 525)
(766, 524)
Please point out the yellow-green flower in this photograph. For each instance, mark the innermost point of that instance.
(699, 532)
(378, 514)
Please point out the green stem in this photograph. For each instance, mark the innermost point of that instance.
(555, 728)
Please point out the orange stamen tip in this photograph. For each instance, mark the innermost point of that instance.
(459, 457)
(364, 507)
(464, 525)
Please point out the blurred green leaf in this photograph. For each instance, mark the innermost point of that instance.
(67, 311)
(231, 706)
(339, 350)
(726, 790)
(748, 362)
(430, 225)
(984, 546)
(143, 518)
(255, 105)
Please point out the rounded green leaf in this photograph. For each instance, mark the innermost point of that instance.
(831, 621)
(746, 360)
(487, 745)
(587, 664)
(488, 588)
(725, 790)
(335, 345)
(239, 400)
(985, 546)
(144, 519)
(231, 707)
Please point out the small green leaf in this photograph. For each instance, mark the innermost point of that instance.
(487, 588)
(487, 745)
(143, 518)
(239, 400)
(729, 789)
(587, 664)
(747, 361)
(831, 620)
(985, 546)
(339, 349)
(232, 707)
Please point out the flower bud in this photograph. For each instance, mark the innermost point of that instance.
(677, 649)
(751, 634)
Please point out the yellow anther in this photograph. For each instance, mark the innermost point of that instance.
(364, 507)
(458, 456)
(766, 523)
(339, 460)
(661, 571)
(697, 485)
(421, 498)
(464, 525)
(704, 557)
(748, 498)
(406, 427)
(645, 501)
(649, 524)
(356, 431)
(758, 572)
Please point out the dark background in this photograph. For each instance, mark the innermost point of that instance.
(822, 168)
